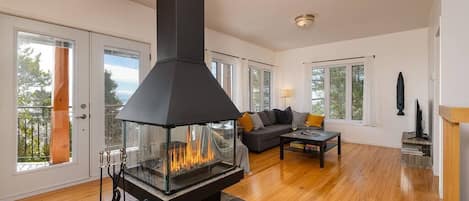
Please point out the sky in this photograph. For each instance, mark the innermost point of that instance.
(124, 70)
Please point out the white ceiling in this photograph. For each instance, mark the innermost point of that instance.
(269, 23)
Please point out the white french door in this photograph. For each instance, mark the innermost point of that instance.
(44, 79)
(117, 68)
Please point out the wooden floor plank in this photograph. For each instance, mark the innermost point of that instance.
(362, 173)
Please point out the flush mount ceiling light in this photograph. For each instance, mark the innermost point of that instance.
(305, 20)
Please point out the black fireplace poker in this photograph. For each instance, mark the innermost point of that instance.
(114, 175)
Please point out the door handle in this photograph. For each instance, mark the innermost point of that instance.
(83, 116)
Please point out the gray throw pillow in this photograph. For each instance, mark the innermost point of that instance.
(256, 121)
(265, 118)
(299, 119)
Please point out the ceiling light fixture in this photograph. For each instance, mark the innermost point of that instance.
(305, 20)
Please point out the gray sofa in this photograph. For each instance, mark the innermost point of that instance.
(267, 137)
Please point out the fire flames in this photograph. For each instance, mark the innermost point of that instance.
(186, 157)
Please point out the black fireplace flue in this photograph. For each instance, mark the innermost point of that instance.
(181, 122)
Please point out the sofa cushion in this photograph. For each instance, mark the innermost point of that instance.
(299, 119)
(256, 121)
(246, 122)
(314, 120)
(271, 115)
(265, 138)
(270, 132)
(283, 117)
(265, 118)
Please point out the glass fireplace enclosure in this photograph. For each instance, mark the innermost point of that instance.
(171, 159)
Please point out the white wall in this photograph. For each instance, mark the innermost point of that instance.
(455, 71)
(227, 44)
(403, 51)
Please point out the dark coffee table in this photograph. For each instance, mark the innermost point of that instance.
(316, 137)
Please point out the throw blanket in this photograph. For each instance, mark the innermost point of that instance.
(222, 148)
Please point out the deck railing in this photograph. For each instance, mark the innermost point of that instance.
(33, 133)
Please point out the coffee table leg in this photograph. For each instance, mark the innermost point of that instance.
(338, 145)
(321, 156)
(281, 148)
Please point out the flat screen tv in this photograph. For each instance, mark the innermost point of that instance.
(418, 122)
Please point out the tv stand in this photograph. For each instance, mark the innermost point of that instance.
(424, 137)
(416, 151)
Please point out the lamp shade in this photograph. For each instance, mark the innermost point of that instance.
(285, 93)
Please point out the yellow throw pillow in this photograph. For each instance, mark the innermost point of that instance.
(314, 120)
(246, 122)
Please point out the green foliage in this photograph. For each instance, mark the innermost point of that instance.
(317, 85)
(337, 93)
(32, 91)
(358, 76)
(113, 127)
(32, 81)
(110, 87)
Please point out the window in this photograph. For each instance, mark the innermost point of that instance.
(118, 66)
(223, 72)
(337, 91)
(44, 100)
(121, 79)
(318, 93)
(260, 89)
(266, 90)
(337, 79)
(358, 78)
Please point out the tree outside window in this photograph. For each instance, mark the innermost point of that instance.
(337, 91)
(260, 92)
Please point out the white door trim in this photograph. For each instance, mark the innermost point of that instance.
(99, 43)
(78, 170)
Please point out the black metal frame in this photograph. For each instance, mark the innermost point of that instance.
(208, 192)
(168, 190)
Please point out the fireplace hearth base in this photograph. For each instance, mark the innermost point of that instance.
(208, 190)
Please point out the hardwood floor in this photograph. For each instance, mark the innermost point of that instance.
(362, 173)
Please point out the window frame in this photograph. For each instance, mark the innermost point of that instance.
(219, 74)
(133, 52)
(262, 71)
(348, 90)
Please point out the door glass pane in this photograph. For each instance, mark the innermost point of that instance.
(121, 79)
(267, 90)
(44, 100)
(337, 93)
(255, 89)
(318, 95)
(358, 77)
(227, 80)
(213, 69)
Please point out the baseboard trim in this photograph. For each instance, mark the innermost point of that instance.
(47, 189)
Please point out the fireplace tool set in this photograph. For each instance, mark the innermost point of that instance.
(114, 174)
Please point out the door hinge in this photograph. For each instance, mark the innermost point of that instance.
(149, 56)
